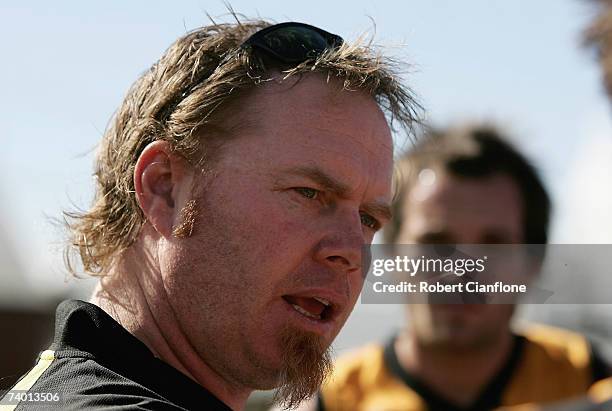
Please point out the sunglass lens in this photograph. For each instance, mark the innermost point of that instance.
(295, 43)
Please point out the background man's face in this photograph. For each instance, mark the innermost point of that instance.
(455, 210)
(282, 220)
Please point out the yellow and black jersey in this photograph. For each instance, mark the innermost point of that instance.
(94, 363)
(545, 365)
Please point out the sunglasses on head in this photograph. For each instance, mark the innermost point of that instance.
(288, 43)
(293, 42)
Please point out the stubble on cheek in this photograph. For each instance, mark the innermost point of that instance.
(306, 362)
(187, 221)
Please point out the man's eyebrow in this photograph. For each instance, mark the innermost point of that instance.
(331, 184)
(378, 209)
(320, 177)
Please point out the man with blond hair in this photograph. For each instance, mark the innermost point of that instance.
(235, 189)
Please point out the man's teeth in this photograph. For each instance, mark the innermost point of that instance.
(322, 301)
(306, 313)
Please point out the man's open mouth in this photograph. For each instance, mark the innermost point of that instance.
(315, 308)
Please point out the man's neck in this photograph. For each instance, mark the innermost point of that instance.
(459, 376)
(133, 294)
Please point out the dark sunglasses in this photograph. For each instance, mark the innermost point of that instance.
(293, 42)
(289, 43)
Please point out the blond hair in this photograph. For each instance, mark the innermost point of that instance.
(181, 98)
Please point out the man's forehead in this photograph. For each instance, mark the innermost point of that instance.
(438, 185)
(448, 201)
(304, 113)
(308, 92)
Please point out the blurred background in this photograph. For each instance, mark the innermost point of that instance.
(66, 66)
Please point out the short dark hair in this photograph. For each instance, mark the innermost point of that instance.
(474, 152)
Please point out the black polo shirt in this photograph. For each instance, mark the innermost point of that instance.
(94, 363)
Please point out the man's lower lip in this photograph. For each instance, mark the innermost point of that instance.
(321, 327)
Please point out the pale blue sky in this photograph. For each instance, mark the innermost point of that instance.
(66, 65)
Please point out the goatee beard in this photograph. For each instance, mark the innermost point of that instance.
(306, 364)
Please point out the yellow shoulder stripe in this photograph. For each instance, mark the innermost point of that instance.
(46, 358)
(602, 390)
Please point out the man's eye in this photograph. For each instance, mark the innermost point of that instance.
(370, 221)
(309, 193)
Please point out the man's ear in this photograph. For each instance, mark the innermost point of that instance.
(160, 177)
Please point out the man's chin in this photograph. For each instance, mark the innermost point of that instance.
(305, 363)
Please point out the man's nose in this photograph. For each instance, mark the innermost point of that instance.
(341, 246)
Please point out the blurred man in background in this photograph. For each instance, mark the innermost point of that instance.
(235, 189)
(465, 186)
